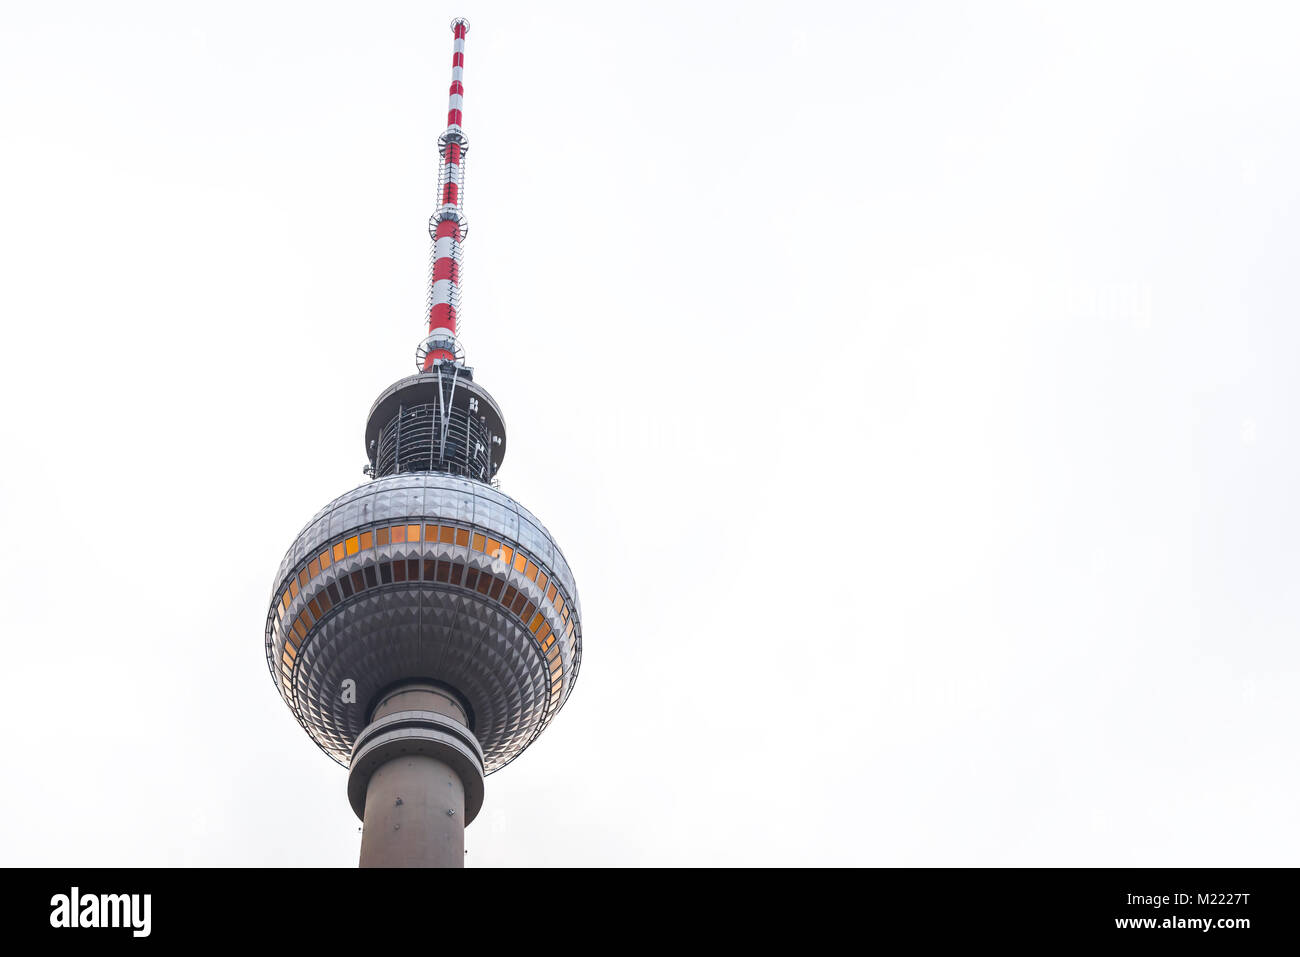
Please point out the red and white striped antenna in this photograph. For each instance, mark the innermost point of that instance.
(447, 226)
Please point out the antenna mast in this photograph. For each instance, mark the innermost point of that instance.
(447, 226)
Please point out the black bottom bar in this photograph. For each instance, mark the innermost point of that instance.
(1228, 907)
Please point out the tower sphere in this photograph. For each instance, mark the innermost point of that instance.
(430, 576)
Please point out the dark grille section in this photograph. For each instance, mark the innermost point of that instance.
(420, 439)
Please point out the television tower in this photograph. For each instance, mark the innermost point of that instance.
(424, 627)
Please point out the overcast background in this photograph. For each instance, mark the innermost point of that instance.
(912, 389)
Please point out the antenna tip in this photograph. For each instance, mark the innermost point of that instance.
(460, 26)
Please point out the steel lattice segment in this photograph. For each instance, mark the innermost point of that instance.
(423, 438)
(440, 421)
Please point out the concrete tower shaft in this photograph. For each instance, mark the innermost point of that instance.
(416, 768)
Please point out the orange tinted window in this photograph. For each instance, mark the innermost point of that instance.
(293, 588)
(381, 536)
(479, 542)
(462, 537)
(520, 563)
(313, 568)
(550, 595)
(506, 552)
(324, 559)
(284, 599)
(446, 534)
(542, 580)
(399, 533)
(532, 572)
(412, 533)
(302, 577)
(493, 548)
(353, 544)
(535, 623)
(431, 533)
(367, 540)
(338, 552)
(543, 631)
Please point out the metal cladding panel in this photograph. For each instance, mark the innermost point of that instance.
(317, 531)
(535, 540)
(390, 507)
(379, 628)
(488, 513)
(409, 500)
(441, 502)
(497, 511)
(464, 502)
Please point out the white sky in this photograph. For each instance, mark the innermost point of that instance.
(912, 389)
